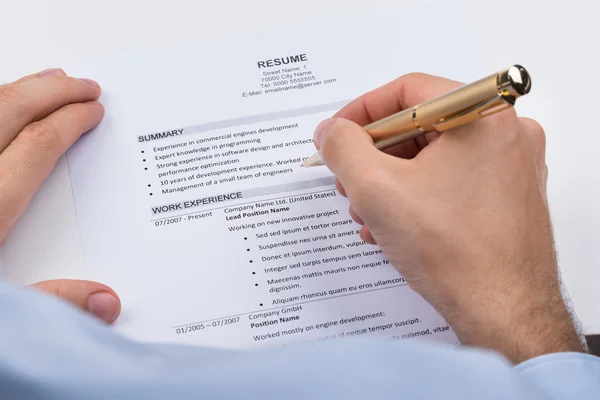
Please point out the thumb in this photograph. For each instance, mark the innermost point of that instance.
(95, 298)
(347, 150)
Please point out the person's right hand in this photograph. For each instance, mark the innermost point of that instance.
(463, 216)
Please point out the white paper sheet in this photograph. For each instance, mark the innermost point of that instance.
(192, 204)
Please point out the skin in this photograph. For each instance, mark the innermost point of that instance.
(463, 216)
(41, 116)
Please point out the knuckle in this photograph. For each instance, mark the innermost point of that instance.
(47, 287)
(63, 86)
(504, 130)
(535, 131)
(10, 101)
(413, 79)
(42, 134)
(54, 288)
(62, 79)
(9, 94)
(426, 83)
(75, 88)
(508, 120)
(416, 76)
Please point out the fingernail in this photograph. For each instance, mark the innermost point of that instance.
(104, 306)
(90, 82)
(51, 72)
(321, 130)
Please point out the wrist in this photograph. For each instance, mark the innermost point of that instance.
(520, 330)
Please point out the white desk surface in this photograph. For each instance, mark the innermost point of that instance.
(556, 41)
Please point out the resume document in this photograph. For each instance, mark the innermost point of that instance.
(192, 204)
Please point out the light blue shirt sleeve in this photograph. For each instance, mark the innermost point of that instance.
(49, 350)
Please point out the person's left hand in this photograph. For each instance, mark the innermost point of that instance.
(41, 116)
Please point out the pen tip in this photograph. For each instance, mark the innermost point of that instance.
(313, 161)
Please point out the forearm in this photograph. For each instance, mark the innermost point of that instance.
(528, 327)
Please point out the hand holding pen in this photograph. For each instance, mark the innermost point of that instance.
(463, 214)
(457, 107)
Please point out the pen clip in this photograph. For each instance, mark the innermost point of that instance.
(485, 108)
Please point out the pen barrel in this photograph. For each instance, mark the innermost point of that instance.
(397, 127)
(415, 121)
(458, 107)
(454, 103)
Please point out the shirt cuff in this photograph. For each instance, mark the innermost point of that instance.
(564, 375)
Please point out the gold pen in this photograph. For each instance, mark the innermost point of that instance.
(458, 107)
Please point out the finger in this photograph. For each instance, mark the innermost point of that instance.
(41, 74)
(355, 216)
(95, 298)
(35, 99)
(348, 151)
(340, 188)
(537, 137)
(366, 235)
(29, 159)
